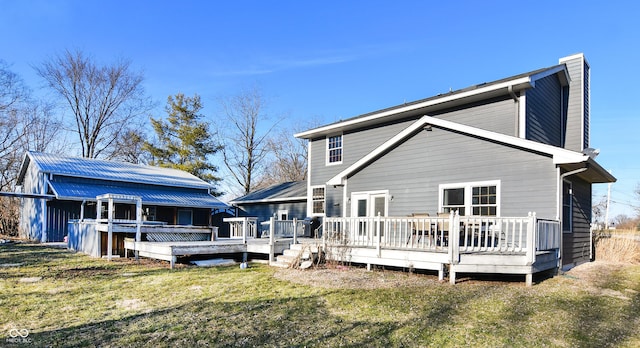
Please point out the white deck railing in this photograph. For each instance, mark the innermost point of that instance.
(501, 235)
(242, 227)
(283, 228)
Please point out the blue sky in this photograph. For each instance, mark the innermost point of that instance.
(329, 60)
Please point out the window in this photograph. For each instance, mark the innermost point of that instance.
(317, 199)
(453, 199)
(484, 200)
(283, 214)
(334, 149)
(567, 207)
(476, 198)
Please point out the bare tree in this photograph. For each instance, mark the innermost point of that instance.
(25, 124)
(103, 99)
(13, 98)
(245, 142)
(288, 158)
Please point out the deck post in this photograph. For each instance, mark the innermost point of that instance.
(529, 279)
(378, 236)
(110, 230)
(138, 224)
(454, 237)
(295, 231)
(272, 230)
(531, 238)
(244, 231)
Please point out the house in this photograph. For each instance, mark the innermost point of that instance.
(285, 201)
(516, 148)
(58, 189)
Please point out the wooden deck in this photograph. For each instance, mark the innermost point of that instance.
(457, 244)
(170, 251)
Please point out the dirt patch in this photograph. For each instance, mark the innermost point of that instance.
(354, 278)
(594, 276)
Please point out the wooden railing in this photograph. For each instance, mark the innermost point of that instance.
(283, 228)
(496, 235)
(242, 227)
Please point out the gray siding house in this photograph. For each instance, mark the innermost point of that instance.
(506, 148)
(59, 189)
(284, 201)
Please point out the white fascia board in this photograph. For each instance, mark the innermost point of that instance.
(560, 156)
(443, 99)
(558, 69)
(339, 179)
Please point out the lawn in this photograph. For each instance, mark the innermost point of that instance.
(66, 299)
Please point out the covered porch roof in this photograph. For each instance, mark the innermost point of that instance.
(161, 196)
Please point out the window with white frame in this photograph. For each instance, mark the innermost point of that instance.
(334, 149)
(474, 198)
(567, 207)
(317, 200)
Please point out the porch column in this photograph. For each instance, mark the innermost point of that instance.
(110, 229)
(531, 239)
(272, 231)
(138, 224)
(295, 231)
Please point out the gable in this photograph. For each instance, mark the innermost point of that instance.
(413, 170)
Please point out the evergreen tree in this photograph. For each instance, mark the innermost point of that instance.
(183, 140)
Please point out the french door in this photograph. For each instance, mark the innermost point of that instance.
(367, 205)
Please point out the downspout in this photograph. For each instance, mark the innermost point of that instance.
(560, 206)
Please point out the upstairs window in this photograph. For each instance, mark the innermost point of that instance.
(334, 149)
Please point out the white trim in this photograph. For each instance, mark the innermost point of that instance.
(446, 98)
(522, 115)
(560, 155)
(468, 195)
(324, 207)
(345, 199)
(309, 190)
(328, 151)
(370, 197)
(284, 212)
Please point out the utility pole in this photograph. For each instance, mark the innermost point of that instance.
(606, 216)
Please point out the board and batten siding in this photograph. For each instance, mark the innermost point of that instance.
(577, 129)
(544, 118)
(497, 115)
(577, 244)
(413, 171)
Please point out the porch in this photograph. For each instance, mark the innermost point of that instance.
(453, 243)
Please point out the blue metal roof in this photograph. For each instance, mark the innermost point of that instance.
(150, 195)
(114, 171)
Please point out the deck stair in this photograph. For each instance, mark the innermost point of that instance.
(296, 254)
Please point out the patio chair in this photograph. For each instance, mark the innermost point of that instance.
(418, 227)
(443, 226)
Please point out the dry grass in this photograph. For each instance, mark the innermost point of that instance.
(618, 248)
(73, 300)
